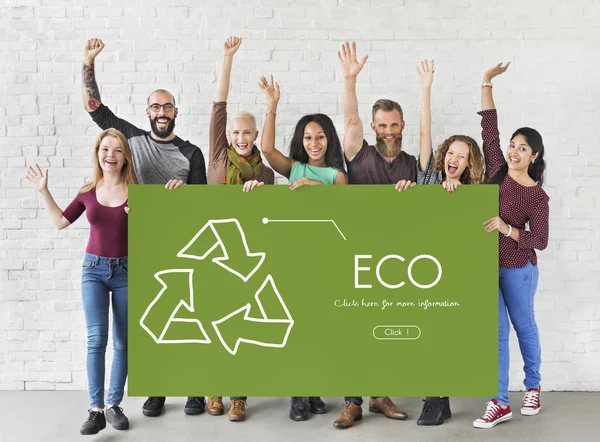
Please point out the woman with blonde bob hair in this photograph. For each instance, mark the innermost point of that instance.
(104, 273)
(236, 161)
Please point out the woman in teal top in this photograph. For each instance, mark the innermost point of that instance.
(315, 158)
(315, 150)
(325, 175)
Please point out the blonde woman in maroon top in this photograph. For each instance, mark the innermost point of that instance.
(104, 270)
(522, 227)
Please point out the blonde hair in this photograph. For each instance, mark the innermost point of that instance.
(127, 173)
(245, 115)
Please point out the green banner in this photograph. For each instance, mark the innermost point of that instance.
(321, 291)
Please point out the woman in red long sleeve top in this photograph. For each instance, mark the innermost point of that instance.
(104, 270)
(522, 227)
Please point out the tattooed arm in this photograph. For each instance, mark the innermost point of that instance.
(89, 90)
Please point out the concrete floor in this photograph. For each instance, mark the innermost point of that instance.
(57, 416)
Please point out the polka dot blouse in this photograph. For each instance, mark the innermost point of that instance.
(519, 205)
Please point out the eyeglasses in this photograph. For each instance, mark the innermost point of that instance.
(168, 107)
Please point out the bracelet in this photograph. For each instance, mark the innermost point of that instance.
(487, 84)
(509, 231)
(270, 112)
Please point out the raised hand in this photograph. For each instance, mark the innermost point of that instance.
(249, 185)
(495, 71)
(91, 49)
(231, 45)
(270, 89)
(426, 70)
(38, 178)
(350, 65)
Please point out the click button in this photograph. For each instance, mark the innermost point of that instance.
(396, 332)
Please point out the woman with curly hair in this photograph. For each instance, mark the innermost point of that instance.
(458, 160)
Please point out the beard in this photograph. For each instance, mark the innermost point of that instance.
(389, 149)
(162, 133)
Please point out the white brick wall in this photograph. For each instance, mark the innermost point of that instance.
(175, 44)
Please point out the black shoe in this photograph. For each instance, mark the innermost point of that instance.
(432, 413)
(317, 406)
(445, 404)
(115, 417)
(94, 423)
(194, 405)
(153, 406)
(299, 408)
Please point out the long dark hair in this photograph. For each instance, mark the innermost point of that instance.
(536, 168)
(334, 156)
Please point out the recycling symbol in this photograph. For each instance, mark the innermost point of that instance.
(269, 329)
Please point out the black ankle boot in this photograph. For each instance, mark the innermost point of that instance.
(445, 404)
(317, 406)
(435, 411)
(299, 408)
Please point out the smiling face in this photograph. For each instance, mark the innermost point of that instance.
(315, 143)
(162, 121)
(519, 154)
(456, 159)
(110, 155)
(243, 134)
(388, 127)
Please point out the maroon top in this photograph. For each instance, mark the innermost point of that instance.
(519, 204)
(369, 167)
(108, 225)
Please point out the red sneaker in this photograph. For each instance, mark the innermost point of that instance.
(531, 402)
(494, 414)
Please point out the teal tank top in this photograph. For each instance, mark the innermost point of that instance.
(302, 170)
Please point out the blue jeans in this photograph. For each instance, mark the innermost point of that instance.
(516, 292)
(104, 280)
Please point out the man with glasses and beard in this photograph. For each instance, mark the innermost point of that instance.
(159, 157)
(384, 163)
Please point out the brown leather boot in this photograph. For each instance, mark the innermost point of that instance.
(215, 405)
(386, 406)
(350, 414)
(237, 410)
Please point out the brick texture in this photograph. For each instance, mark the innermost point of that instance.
(175, 44)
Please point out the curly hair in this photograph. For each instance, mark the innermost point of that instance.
(473, 174)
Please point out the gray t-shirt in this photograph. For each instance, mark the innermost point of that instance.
(154, 161)
(430, 176)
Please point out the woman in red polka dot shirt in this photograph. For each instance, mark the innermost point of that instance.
(522, 203)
